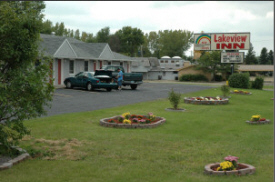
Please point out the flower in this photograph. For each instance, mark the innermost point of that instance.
(255, 117)
(126, 115)
(229, 164)
(127, 121)
(226, 166)
(128, 118)
(151, 116)
(112, 121)
(142, 121)
(236, 91)
(231, 158)
(120, 119)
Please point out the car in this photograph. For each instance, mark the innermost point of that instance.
(91, 80)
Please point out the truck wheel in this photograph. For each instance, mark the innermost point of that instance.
(133, 87)
(69, 84)
(108, 89)
(89, 86)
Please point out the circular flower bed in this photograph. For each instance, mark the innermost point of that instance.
(241, 92)
(256, 119)
(229, 167)
(206, 100)
(128, 120)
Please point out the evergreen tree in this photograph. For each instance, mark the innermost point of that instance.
(264, 56)
(270, 57)
(250, 57)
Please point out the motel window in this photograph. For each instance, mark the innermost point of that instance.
(85, 65)
(166, 61)
(71, 69)
(161, 61)
(173, 61)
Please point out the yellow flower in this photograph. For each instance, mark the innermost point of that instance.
(126, 115)
(256, 116)
(226, 165)
(127, 121)
(236, 90)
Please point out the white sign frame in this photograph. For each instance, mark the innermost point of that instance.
(222, 41)
(232, 57)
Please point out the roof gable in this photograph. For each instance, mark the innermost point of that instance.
(49, 44)
(65, 51)
(106, 53)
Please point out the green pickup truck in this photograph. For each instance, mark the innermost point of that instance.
(129, 79)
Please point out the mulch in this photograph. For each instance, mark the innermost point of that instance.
(4, 159)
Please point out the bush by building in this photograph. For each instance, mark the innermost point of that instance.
(258, 83)
(193, 77)
(239, 80)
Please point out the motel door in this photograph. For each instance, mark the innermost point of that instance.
(59, 71)
(94, 66)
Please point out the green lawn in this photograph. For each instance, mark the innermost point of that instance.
(77, 148)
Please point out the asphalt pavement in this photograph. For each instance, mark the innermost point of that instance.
(79, 100)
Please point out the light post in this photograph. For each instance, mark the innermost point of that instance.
(232, 68)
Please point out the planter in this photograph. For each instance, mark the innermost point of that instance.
(176, 110)
(206, 100)
(158, 121)
(267, 121)
(243, 169)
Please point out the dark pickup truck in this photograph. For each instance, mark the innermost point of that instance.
(131, 79)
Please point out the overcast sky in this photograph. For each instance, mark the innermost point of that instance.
(256, 17)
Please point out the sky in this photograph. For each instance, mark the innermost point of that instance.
(256, 17)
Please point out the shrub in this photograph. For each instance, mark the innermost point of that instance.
(258, 83)
(174, 98)
(225, 90)
(218, 78)
(239, 80)
(192, 77)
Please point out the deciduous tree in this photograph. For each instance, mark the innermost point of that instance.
(174, 42)
(211, 62)
(103, 35)
(25, 85)
(130, 40)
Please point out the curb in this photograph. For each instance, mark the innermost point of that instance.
(15, 160)
(248, 169)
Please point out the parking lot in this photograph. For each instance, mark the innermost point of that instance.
(78, 100)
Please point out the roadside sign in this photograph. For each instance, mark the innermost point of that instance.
(232, 57)
(222, 41)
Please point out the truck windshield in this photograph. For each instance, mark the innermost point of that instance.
(104, 67)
